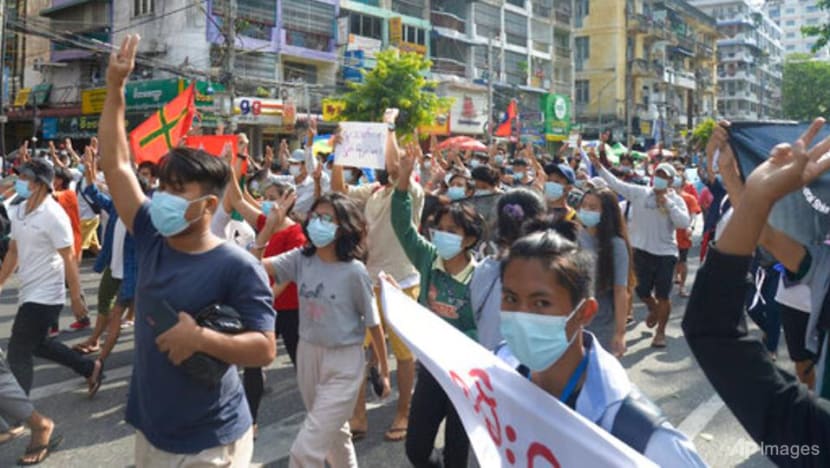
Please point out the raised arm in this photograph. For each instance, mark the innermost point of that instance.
(115, 150)
(630, 192)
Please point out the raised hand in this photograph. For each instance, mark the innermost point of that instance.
(317, 174)
(312, 131)
(122, 62)
(390, 116)
(93, 143)
(23, 152)
(68, 144)
(269, 157)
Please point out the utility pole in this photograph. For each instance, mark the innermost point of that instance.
(489, 90)
(229, 64)
(3, 88)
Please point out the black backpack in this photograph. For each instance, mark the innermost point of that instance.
(5, 231)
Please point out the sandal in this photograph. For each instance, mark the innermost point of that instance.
(12, 434)
(84, 349)
(95, 384)
(358, 435)
(395, 434)
(43, 450)
(661, 343)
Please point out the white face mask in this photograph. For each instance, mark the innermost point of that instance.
(294, 170)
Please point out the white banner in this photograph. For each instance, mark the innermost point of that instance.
(509, 420)
(363, 145)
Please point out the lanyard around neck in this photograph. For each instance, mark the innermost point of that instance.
(571, 385)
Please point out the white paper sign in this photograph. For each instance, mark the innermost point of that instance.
(363, 145)
(510, 421)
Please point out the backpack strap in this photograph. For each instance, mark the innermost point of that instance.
(636, 421)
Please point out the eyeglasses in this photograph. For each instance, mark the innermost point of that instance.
(322, 217)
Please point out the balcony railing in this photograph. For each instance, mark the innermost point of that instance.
(447, 66)
(562, 14)
(563, 52)
(640, 67)
(448, 20)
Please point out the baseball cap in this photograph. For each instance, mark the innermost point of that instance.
(38, 170)
(666, 168)
(297, 155)
(562, 169)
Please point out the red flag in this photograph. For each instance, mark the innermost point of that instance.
(214, 144)
(505, 128)
(157, 135)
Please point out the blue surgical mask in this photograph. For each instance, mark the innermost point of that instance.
(518, 176)
(427, 165)
(448, 244)
(483, 192)
(660, 183)
(589, 218)
(456, 193)
(554, 191)
(167, 213)
(81, 168)
(475, 163)
(678, 182)
(537, 340)
(348, 176)
(321, 232)
(22, 188)
(267, 206)
(499, 159)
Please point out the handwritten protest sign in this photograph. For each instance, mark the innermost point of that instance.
(510, 421)
(363, 145)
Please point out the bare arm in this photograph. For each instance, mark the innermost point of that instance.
(784, 248)
(115, 151)
(73, 280)
(250, 349)
(9, 263)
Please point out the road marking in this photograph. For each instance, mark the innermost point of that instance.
(697, 420)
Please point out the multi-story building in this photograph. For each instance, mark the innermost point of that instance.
(749, 60)
(641, 64)
(791, 15)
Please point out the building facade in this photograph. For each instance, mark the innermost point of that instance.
(287, 54)
(791, 15)
(644, 68)
(749, 60)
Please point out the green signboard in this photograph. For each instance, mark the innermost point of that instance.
(556, 109)
(152, 94)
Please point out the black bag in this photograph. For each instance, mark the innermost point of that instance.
(92, 203)
(206, 369)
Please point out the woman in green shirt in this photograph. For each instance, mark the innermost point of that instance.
(446, 266)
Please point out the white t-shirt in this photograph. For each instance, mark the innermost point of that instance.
(39, 235)
(117, 258)
(85, 209)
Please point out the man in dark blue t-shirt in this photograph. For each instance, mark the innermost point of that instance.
(179, 420)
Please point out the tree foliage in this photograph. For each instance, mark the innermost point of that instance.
(396, 81)
(805, 89)
(702, 132)
(820, 32)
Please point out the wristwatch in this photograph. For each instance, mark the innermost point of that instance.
(391, 127)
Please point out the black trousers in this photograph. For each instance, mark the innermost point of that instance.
(430, 405)
(29, 339)
(253, 379)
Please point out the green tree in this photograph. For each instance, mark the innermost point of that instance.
(702, 133)
(396, 81)
(820, 32)
(805, 89)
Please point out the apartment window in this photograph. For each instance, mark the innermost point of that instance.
(790, 11)
(515, 26)
(582, 10)
(583, 92)
(582, 52)
(143, 7)
(790, 35)
(365, 25)
(487, 19)
(811, 8)
(414, 35)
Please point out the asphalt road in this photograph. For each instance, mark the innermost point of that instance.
(96, 435)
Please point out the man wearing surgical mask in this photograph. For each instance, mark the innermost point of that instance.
(656, 212)
(183, 269)
(547, 301)
(560, 182)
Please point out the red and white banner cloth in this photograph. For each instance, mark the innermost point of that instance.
(509, 420)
